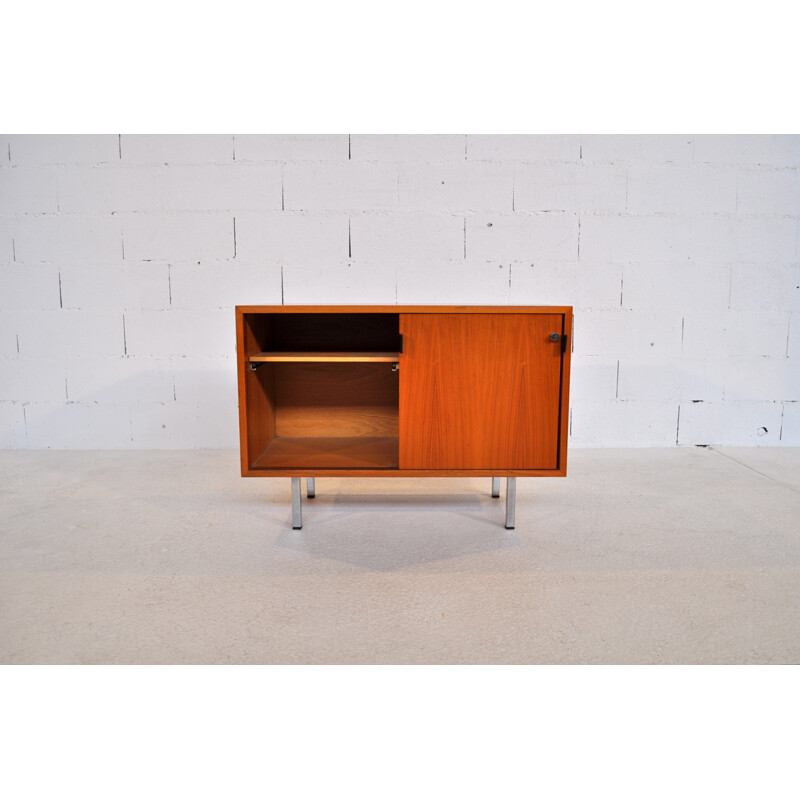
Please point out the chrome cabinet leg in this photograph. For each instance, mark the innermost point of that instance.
(511, 502)
(297, 508)
(495, 487)
(311, 492)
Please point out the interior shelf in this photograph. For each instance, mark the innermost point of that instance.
(324, 357)
(330, 452)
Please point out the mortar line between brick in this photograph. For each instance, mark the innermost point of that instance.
(678, 426)
(788, 335)
(757, 472)
(60, 295)
(124, 337)
(780, 432)
(25, 423)
(119, 145)
(169, 282)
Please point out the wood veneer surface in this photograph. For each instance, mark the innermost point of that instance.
(479, 391)
(332, 452)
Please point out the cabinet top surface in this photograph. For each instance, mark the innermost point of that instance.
(404, 309)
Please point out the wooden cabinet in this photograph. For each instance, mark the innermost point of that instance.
(403, 390)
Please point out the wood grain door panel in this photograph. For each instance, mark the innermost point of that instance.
(480, 391)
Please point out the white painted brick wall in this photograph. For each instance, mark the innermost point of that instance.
(466, 282)
(456, 187)
(206, 187)
(727, 334)
(769, 191)
(637, 149)
(29, 287)
(765, 287)
(346, 281)
(288, 148)
(214, 285)
(585, 286)
(176, 149)
(681, 287)
(547, 235)
(628, 333)
(629, 238)
(594, 424)
(159, 334)
(78, 426)
(339, 186)
(593, 379)
(12, 426)
(744, 238)
(111, 188)
(176, 425)
(121, 258)
(570, 188)
(676, 189)
(410, 147)
(65, 334)
(180, 236)
(680, 379)
(38, 149)
(118, 381)
(28, 190)
(407, 236)
(6, 239)
(718, 423)
(761, 378)
(793, 342)
(321, 237)
(777, 150)
(36, 380)
(55, 238)
(114, 286)
(541, 148)
(790, 424)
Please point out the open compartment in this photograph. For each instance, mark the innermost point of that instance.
(321, 390)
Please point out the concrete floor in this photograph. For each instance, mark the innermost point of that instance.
(638, 557)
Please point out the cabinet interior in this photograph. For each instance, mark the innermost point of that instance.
(323, 413)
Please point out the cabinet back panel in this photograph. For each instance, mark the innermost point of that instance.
(334, 332)
(335, 399)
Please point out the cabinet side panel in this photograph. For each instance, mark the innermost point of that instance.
(480, 391)
(256, 391)
(566, 362)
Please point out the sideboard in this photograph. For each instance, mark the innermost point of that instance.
(400, 391)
